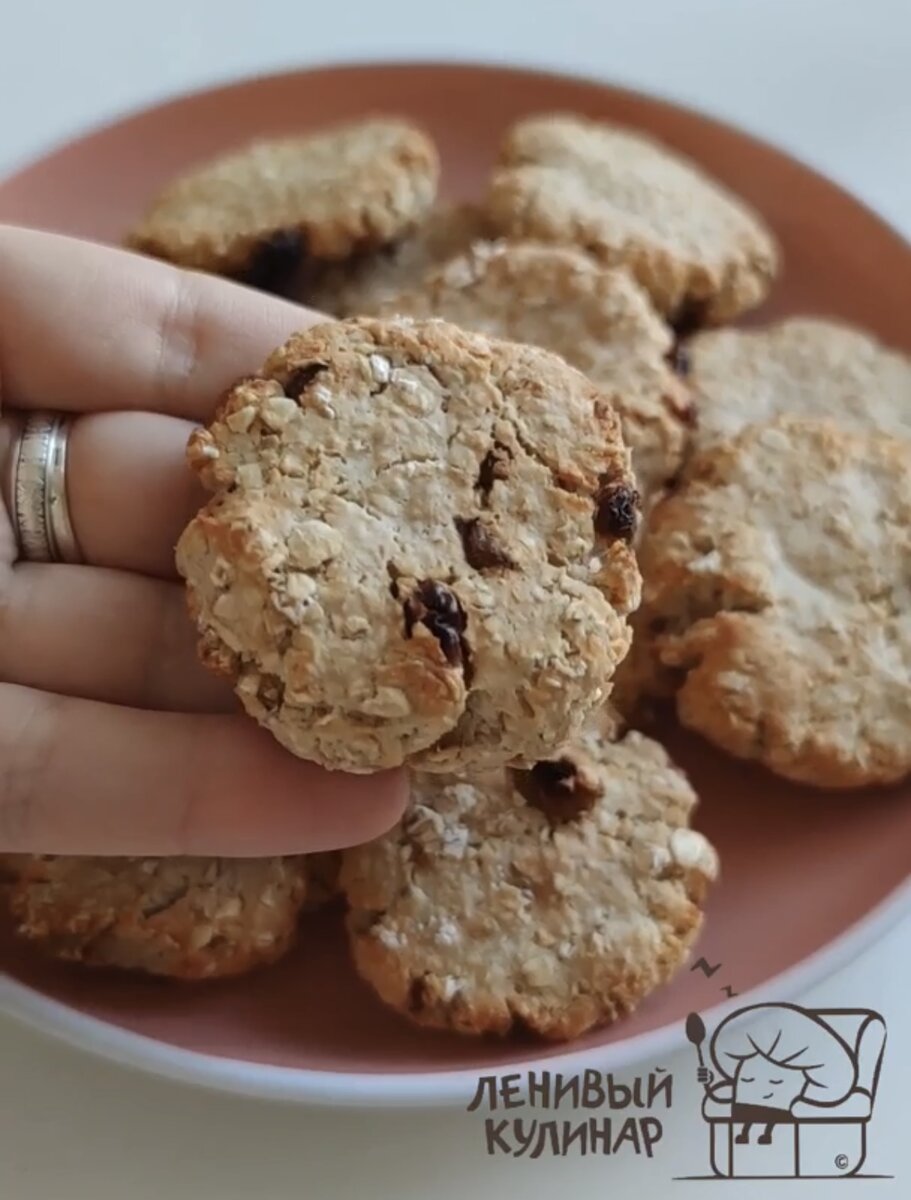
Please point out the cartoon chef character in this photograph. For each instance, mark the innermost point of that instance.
(770, 1056)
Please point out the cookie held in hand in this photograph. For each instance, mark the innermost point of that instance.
(418, 549)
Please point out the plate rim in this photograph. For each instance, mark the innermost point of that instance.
(434, 1088)
(493, 66)
(414, 1089)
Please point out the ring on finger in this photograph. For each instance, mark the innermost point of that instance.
(36, 489)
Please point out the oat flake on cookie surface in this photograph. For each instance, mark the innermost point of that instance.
(418, 548)
(552, 900)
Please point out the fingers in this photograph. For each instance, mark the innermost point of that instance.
(89, 329)
(104, 635)
(129, 489)
(78, 777)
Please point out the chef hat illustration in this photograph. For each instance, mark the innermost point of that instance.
(791, 1038)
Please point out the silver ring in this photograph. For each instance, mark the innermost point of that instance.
(37, 490)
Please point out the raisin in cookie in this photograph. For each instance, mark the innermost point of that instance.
(596, 318)
(260, 213)
(361, 286)
(188, 918)
(552, 900)
(700, 252)
(777, 592)
(800, 367)
(418, 548)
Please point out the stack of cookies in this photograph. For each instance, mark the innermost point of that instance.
(519, 492)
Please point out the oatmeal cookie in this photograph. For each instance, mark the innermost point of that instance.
(551, 900)
(594, 317)
(362, 285)
(418, 549)
(803, 367)
(699, 251)
(187, 918)
(777, 594)
(262, 212)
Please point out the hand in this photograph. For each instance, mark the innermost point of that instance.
(704, 1075)
(113, 739)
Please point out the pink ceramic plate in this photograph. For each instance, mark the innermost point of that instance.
(810, 877)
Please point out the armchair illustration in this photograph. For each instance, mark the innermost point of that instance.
(792, 1090)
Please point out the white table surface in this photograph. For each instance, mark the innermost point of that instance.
(827, 79)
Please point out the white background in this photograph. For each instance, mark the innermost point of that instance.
(830, 80)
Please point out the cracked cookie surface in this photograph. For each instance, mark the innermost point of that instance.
(552, 900)
(418, 549)
(261, 212)
(702, 254)
(361, 287)
(803, 367)
(777, 594)
(596, 318)
(186, 918)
